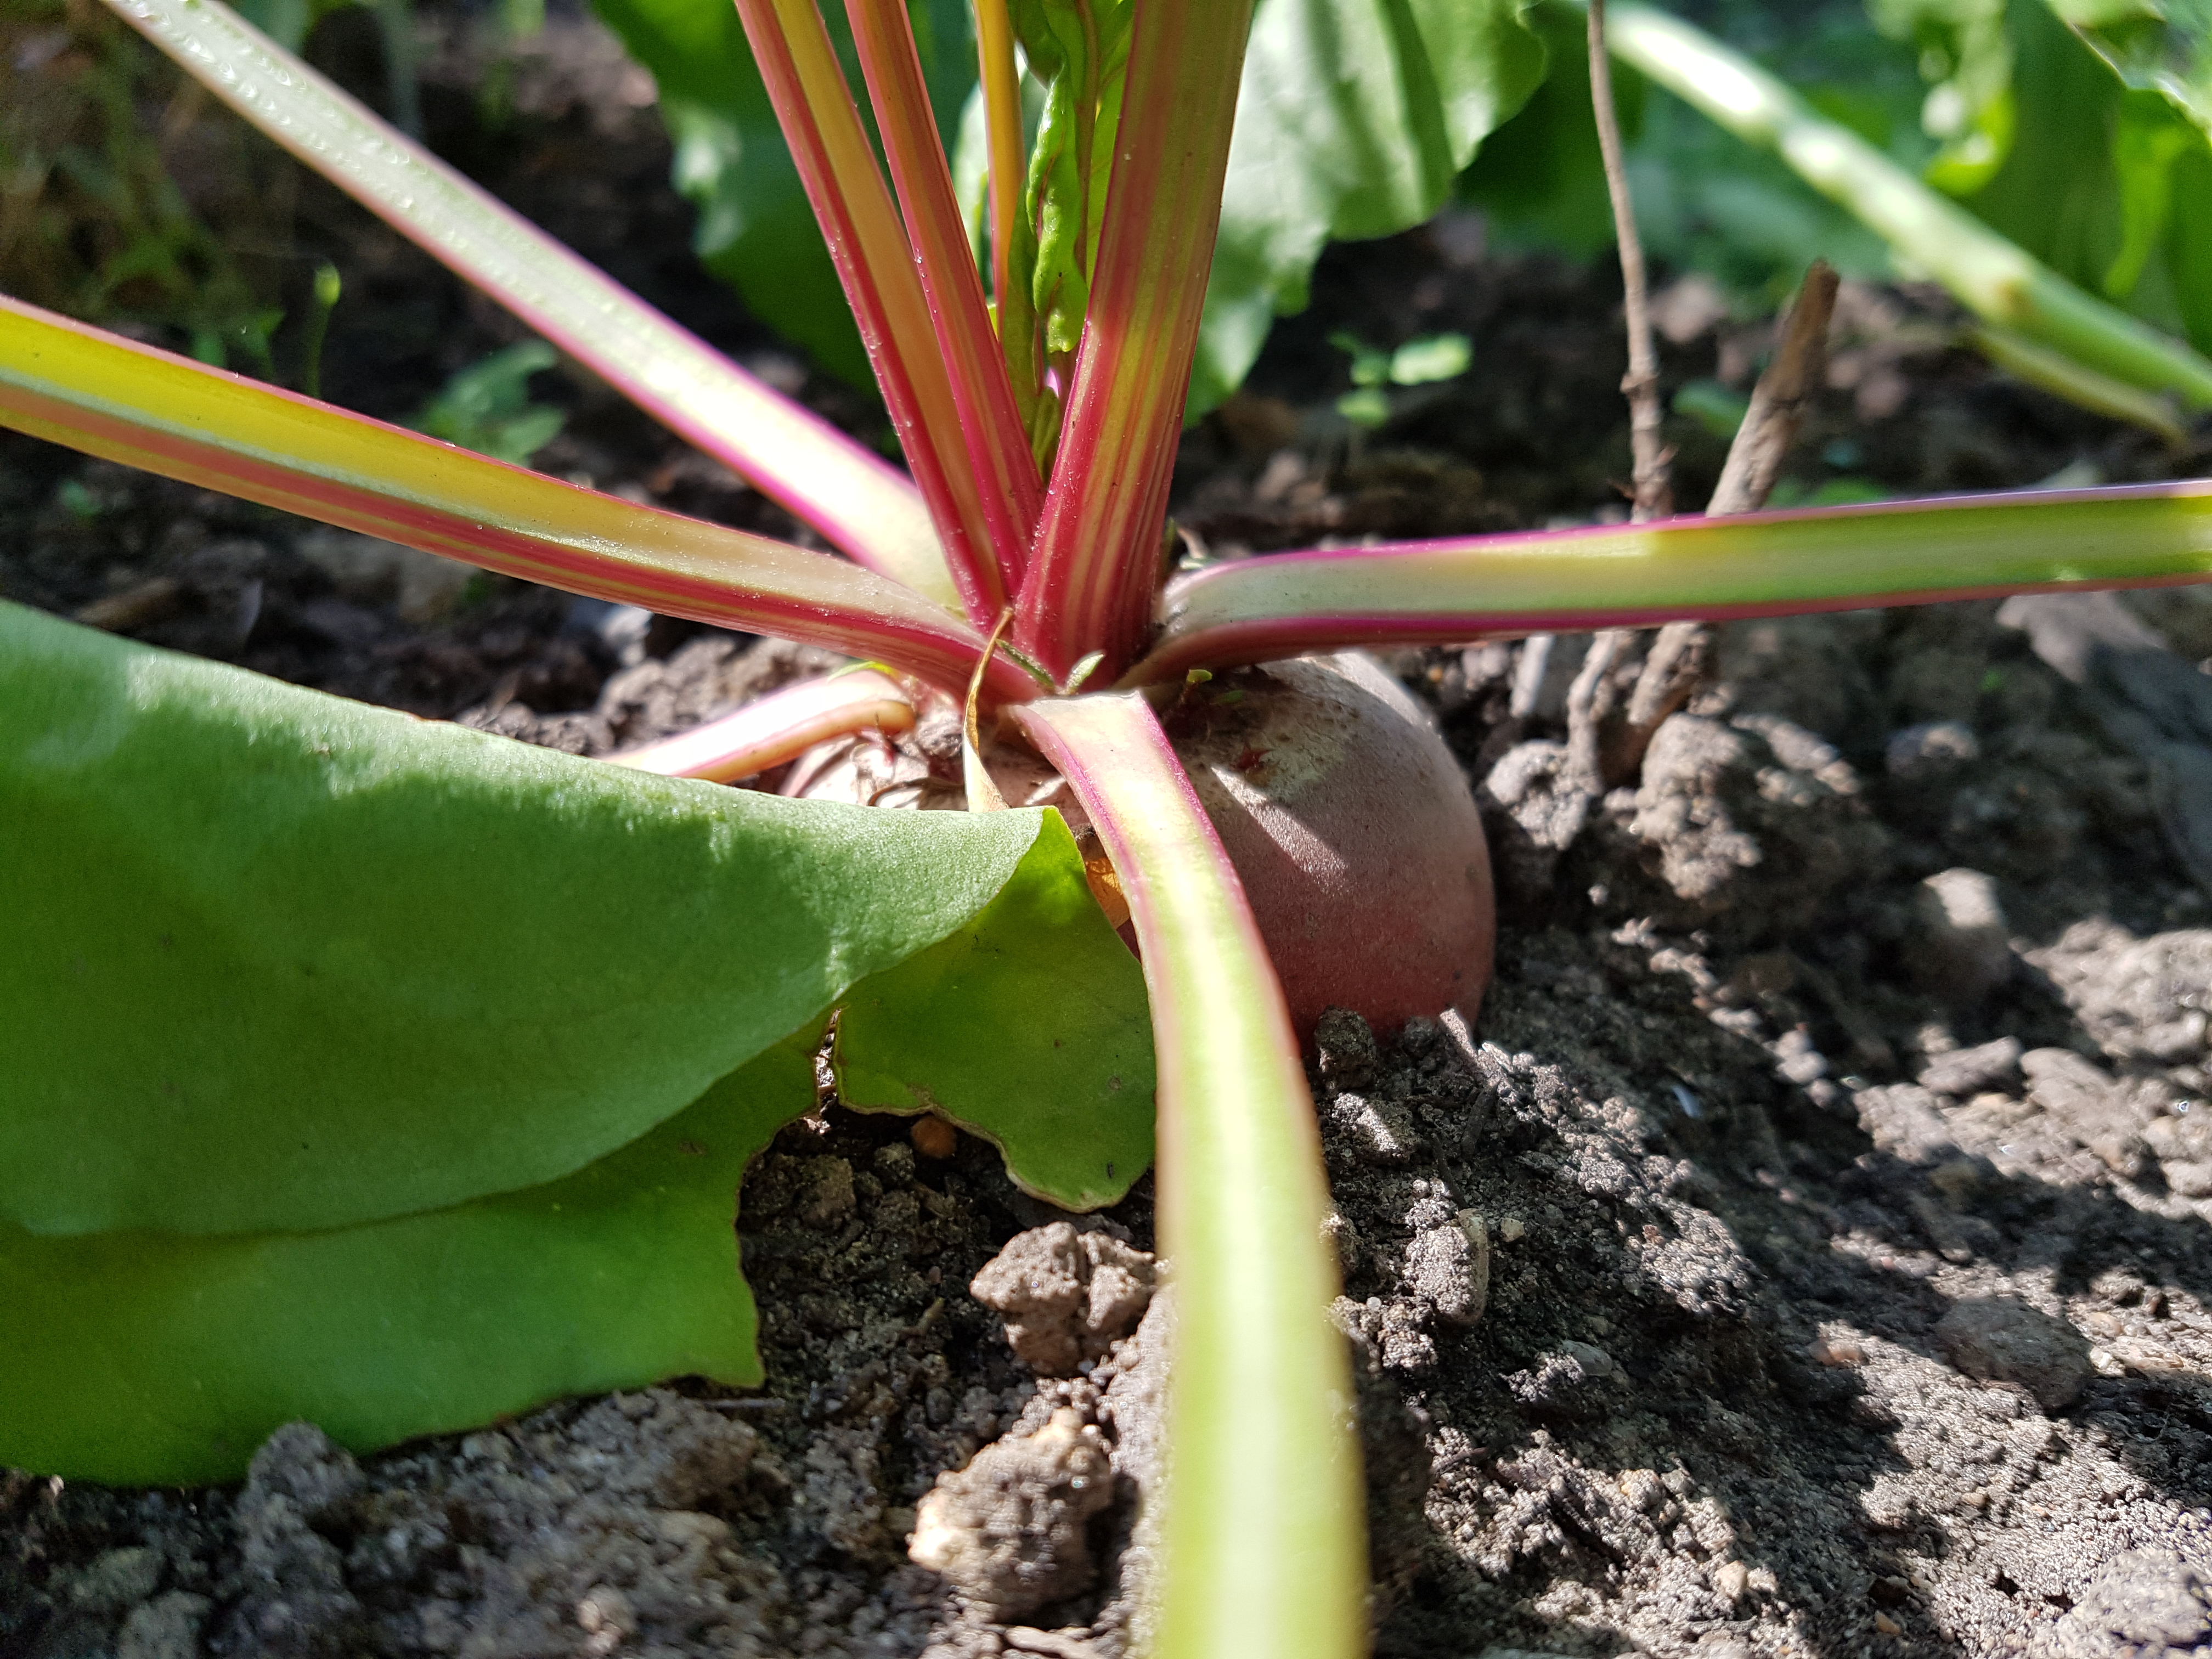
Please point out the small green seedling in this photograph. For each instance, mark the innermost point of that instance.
(486, 407)
(1720, 409)
(1418, 362)
(329, 286)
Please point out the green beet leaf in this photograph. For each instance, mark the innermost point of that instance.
(147, 1359)
(2159, 45)
(1061, 1084)
(305, 991)
(2098, 182)
(277, 962)
(1704, 199)
(1353, 119)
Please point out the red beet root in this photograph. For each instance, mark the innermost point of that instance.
(1349, 821)
(1353, 828)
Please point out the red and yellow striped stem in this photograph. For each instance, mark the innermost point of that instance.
(998, 448)
(1002, 134)
(1844, 558)
(1261, 1548)
(73, 385)
(1096, 567)
(780, 726)
(848, 494)
(875, 262)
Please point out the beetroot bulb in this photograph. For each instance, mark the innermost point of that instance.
(1349, 821)
(1352, 828)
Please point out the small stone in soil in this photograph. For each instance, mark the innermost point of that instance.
(1346, 1048)
(1377, 1131)
(1066, 1295)
(1009, 1530)
(1960, 948)
(2001, 1339)
(2151, 1600)
(934, 1137)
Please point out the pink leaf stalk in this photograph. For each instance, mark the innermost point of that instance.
(998, 448)
(1097, 565)
(1630, 575)
(875, 262)
(851, 496)
(75, 384)
(779, 727)
(1260, 1544)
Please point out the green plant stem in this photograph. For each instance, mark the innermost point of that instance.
(70, 384)
(1991, 277)
(1261, 1548)
(1762, 564)
(2056, 372)
(779, 727)
(327, 288)
(996, 442)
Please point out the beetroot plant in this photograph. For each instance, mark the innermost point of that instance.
(396, 1076)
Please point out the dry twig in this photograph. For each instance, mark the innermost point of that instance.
(1598, 754)
(1654, 497)
(1777, 402)
(1792, 376)
(1589, 701)
(1602, 749)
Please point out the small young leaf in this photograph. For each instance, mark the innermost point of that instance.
(1369, 366)
(1719, 408)
(486, 407)
(1080, 49)
(1366, 407)
(1067, 1099)
(1431, 358)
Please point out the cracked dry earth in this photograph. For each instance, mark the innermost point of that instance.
(1804, 1253)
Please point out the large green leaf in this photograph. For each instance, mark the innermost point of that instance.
(2089, 184)
(302, 996)
(2159, 45)
(147, 1359)
(2055, 195)
(278, 961)
(1705, 200)
(754, 228)
(2189, 247)
(1353, 119)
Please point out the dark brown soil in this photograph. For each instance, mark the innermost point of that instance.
(1801, 1256)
